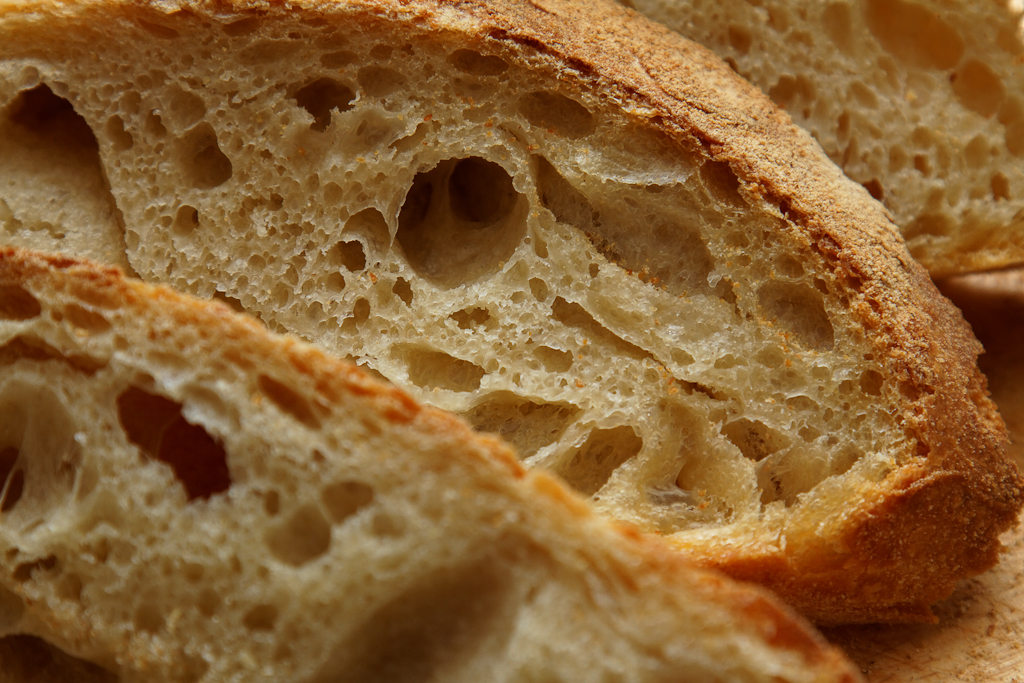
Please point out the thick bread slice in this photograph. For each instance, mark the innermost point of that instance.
(582, 233)
(188, 497)
(920, 101)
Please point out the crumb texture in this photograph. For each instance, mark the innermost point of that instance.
(922, 106)
(203, 502)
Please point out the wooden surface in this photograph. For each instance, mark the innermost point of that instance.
(979, 638)
(980, 634)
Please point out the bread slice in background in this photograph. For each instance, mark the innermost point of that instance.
(919, 101)
(582, 233)
(187, 496)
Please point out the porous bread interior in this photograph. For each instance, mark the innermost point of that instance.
(497, 242)
(324, 532)
(53, 178)
(920, 102)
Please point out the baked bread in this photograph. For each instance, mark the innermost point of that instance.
(188, 497)
(993, 304)
(580, 232)
(920, 101)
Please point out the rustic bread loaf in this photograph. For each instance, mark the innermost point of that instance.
(920, 101)
(188, 497)
(579, 231)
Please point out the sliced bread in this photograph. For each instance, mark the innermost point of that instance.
(185, 496)
(993, 303)
(920, 101)
(579, 231)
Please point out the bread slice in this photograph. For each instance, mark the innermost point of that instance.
(993, 303)
(188, 497)
(920, 101)
(580, 232)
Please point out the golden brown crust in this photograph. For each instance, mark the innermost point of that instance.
(955, 440)
(632, 562)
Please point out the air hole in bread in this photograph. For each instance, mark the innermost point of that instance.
(1014, 136)
(260, 618)
(682, 264)
(475, 64)
(452, 617)
(793, 93)
(575, 316)
(374, 131)
(8, 458)
(120, 139)
(557, 114)
(755, 440)
(37, 443)
(1000, 187)
(923, 165)
(303, 537)
(799, 310)
(412, 142)
(526, 425)
(44, 136)
(186, 220)
(470, 318)
(204, 164)
(403, 290)
(360, 314)
(271, 503)
(387, 525)
(721, 183)
(539, 289)
(875, 189)
(289, 401)
(208, 602)
(14, 485)
(349, 255)
(29, 658)
(461, 221)
(27, 347)
(158, 30)
(345, 498)
(148, 618)
(380, 81)
(36, 569)
(978, 87)
(438, 370)
(786, 474)
(157, 427)
(740, 38)
(554, 360)
(16, 303)
(871, 382)
(371, 227)
(914, 34)
(568, 204)
(11, 609)
(588, 469)
(242, 27)
(154, 126)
